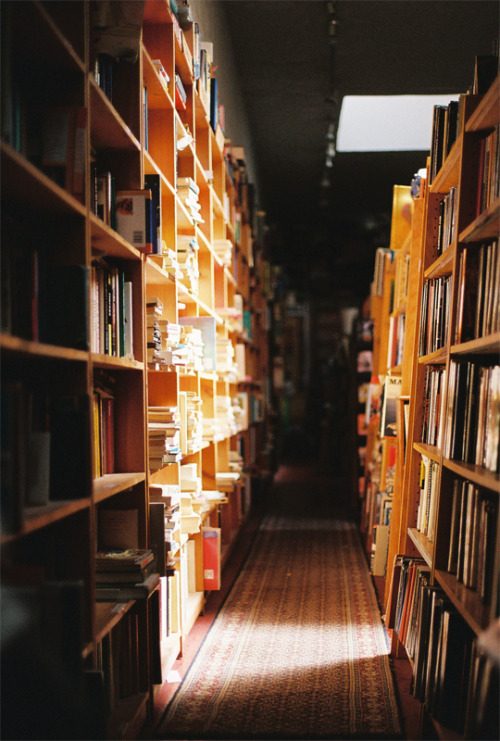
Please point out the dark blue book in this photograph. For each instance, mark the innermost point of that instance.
(214, 109)
(152, 183)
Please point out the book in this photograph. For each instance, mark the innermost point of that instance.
(63, 147)
(123, 559)
(157, 535)
(134, 218)
(152, 183)
(391, 393)
(132, 576)
(180, 94)
(123, 591)
(211, 558)
(453, 671)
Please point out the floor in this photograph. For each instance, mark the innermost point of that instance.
(287, 490)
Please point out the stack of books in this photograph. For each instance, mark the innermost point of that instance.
(154, 313)
(187, 260)
(193, 419)
(191, 339)
(188, 192)
(225, 356)
(125, 574)
(223, 248)
(173, 353)
(164, 436)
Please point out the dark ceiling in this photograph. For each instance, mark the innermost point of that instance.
(294, 74)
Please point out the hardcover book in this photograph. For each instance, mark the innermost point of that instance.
(122, 592)
(134, 218)
(123, 559)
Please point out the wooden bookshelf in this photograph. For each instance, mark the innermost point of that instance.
(451, 471)
(392, 316)
(61, 252)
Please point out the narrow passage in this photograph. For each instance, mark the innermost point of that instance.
(298, 649)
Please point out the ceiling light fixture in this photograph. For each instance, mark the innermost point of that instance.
(330, 132)
(330, 149)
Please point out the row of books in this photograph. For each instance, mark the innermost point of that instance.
(473, 414)
(236, 167)
(427, 501)
(433, 405)
(53, 138)
(103, 71)
(46, 437)
(383, 258)
(473, 529)
(434, 315)
(395, 346)
(190, 406)
(435, 637)
(488, 188)
(42, 301)
(130, 212)
(454, 673)
(164, 436)
(45, 617)
(478, 310)
(447, 221)
(111, 310)
(104, 425)
(446, 124)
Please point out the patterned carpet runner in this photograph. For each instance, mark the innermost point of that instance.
(298, 649)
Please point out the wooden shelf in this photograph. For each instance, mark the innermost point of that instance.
(489, 345)
(113, 483)
(476, 474)
(37, 350)
(23, 181)
(110, 361)
(486, 226)
(106, 242)
(108, 129)
(448, 175)
(36, 518)
(107, 615)
(422, 543)
(158, 93)
(487, 113)
(112, 429)
(432, 486)
(466, 601)
(428, 450)
(443, 265)
(436, 358)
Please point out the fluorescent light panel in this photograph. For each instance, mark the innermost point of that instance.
(387, 123)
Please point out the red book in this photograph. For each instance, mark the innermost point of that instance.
(211, 558)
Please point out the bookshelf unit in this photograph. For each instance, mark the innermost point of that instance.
(390, 314)
(80, 371)
(444, 546)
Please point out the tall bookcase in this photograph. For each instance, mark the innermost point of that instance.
(79, 372)
(442, 579)
(391, 315)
